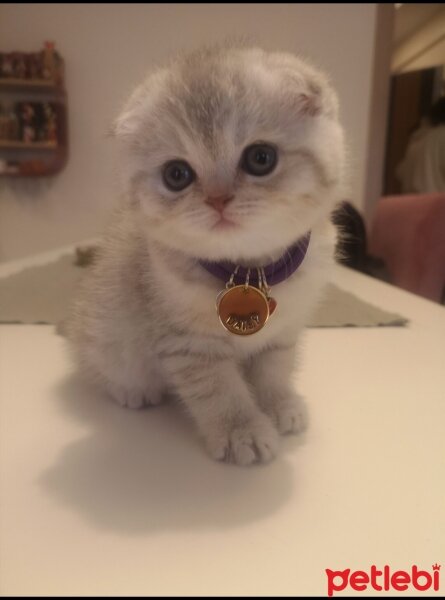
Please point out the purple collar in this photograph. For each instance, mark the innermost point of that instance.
(275, 273)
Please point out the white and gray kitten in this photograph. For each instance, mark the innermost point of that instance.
(145, 321)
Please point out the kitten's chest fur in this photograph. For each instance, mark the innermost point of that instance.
(188, 295)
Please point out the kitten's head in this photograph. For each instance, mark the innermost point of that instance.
(231, 152)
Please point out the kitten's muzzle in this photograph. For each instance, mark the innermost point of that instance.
(219, 202)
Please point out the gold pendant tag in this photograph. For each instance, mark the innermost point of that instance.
(243, 309)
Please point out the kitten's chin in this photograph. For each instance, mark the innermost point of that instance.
(225, 242)
(228, 239)
(225, 224)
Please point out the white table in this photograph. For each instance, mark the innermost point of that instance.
(96, 499)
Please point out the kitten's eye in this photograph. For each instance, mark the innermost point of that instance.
(259, 159)
(177, 175)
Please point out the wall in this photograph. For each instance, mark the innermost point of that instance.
(378, 114)
(425, 48)
(107, 49)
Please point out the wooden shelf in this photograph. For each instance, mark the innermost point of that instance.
(36, 84)
(17, 145)
(40, 157)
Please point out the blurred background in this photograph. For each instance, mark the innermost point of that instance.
(65, 71)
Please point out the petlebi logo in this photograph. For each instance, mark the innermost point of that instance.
(384, 580)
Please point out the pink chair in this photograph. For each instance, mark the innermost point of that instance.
(408, 233)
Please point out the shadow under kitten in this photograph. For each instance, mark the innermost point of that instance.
(141, 471)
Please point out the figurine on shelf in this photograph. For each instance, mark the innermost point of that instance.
(48, 62)
(51, 123)
(13, 123)
(19, 66)
(9, 125)
(34, 65)
(28, 134)
(58, 69)
(27, 114)
(7, 66)
(4, 125)
(39, 122)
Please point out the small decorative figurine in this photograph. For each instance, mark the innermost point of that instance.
(39, 122)
(13, 123)
(51, 124)
(48, 61)
(7, 67)
(20, 66)
(33, 65)
(27, 122)
(28, 133)
(4, 126)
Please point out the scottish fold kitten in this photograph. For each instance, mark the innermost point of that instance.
(228, 154)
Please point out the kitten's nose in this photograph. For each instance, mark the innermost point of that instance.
(219, 202)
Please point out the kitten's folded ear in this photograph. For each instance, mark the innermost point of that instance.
(309, 105)
(318, 100)
(128, 121)
(314, 94)
(124, 126)
(139, 105)
(306, 87)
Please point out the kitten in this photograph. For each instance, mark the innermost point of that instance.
(228, 154)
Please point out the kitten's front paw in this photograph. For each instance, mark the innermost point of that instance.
(289, 414)
(134, 399)
(244, 443)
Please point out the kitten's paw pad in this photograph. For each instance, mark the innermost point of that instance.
(255, 441)
(291, 417)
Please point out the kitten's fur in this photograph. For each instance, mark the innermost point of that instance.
(145, 321)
